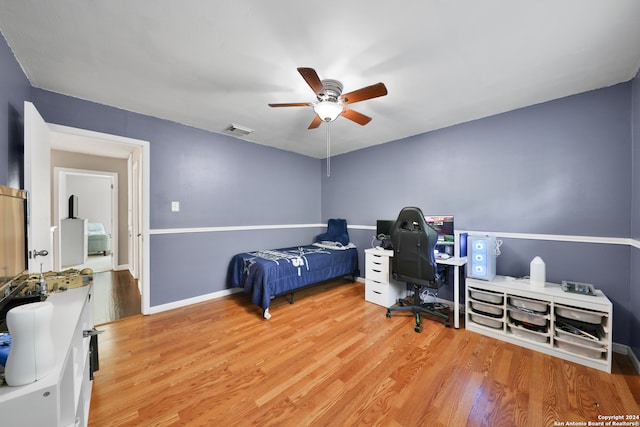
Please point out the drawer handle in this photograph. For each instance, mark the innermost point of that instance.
(377, 271)
(90, 332)
(376, 292)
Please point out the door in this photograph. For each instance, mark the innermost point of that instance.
(37, 165)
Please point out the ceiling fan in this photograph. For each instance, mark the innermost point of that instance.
(331, 102)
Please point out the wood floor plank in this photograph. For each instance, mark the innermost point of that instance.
(333, 359)
(116, 296)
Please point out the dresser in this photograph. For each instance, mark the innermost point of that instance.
(73, 241)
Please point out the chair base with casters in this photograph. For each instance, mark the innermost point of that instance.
(416, 306)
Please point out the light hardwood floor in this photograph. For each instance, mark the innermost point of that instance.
(332, 359)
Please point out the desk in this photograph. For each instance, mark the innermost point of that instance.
(458, 263)
(377, 278)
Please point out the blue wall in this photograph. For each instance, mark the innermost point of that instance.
(634, 284)
(559, 168)
(219, 181)
(565, 167)
(14, 90)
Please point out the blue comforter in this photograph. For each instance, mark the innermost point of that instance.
(266, 274)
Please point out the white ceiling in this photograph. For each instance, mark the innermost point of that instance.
(209, 64)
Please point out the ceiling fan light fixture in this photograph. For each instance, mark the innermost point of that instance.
(328, 110)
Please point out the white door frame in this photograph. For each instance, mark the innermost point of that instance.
(60, 176)
(134, 220)
(143, 202)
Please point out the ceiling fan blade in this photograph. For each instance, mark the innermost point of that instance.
(373, 91)
(315, 122)
(311, 77)
(292, 104)
(354, 116)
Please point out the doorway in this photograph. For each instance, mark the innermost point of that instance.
(132, 231)
(97, 196)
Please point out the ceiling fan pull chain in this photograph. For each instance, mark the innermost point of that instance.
(328, 148)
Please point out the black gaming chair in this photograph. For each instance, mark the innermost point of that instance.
(414, 262)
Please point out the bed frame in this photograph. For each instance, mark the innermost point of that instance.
(278, 272)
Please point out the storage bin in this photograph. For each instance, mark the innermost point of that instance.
(486, 296)
(487, 309)
(587, 316)
(529, 304)
(529, 335)
(534, 319)
(486, 321)
(582, 350)
(568, 336)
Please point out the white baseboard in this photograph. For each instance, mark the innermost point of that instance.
(626, 350)
(201, 298)
(122, 267)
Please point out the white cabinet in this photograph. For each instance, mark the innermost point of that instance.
(61, 398)
(570, 326)
(379, 287)
(73, 241)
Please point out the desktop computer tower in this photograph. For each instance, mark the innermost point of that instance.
(481, 259)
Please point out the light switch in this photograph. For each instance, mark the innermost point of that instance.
(175, 206)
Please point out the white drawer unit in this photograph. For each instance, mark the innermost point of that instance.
(570, 326)
(379, 287)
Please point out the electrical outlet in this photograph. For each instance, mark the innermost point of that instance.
(175, 206)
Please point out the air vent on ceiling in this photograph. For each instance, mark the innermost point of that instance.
(238, 130)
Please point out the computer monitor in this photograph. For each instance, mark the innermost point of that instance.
(443, 224)
(383, 228)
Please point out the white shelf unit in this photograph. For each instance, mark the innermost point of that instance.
(379, 287)
(61, 398)
(536, 318)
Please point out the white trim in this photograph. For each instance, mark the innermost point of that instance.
(230, 228)
(626, 350)
(145, 172)
(59, 187)
(625, 241)
(556, 237)
(122, 267)
(530, 236)
(201, 298)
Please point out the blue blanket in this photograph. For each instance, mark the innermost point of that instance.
(265, 274)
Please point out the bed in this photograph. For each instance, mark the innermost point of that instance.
(98, 240)
(271, 273)
(267, 274)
